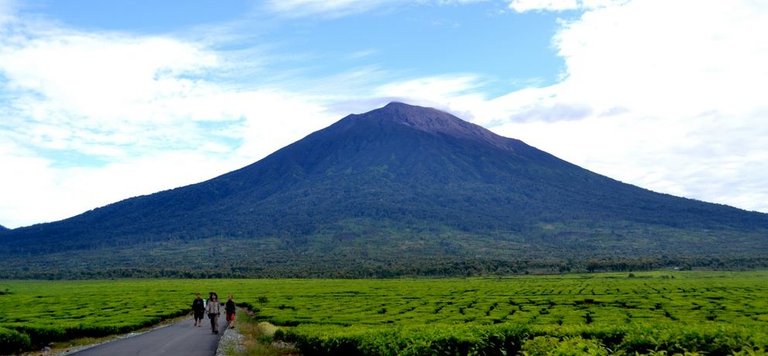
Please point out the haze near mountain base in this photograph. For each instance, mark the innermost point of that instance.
(401, 190)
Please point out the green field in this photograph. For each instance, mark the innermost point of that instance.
(708, 312)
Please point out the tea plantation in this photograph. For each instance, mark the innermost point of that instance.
(704, 312)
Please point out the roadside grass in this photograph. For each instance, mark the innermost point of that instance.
(259, 338)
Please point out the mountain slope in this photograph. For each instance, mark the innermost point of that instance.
(404, 182)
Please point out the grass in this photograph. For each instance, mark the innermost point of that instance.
(259, 338)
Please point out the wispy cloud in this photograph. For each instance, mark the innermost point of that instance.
(7, 10)
(327, 8)
(340, 8)
(548, 5)
(560, 5)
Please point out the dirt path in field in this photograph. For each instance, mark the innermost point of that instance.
(180, 338)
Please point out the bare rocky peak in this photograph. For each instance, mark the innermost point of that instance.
(438, 122)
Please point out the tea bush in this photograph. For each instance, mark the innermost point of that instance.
(653, 312)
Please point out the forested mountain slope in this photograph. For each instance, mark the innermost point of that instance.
(397, 190)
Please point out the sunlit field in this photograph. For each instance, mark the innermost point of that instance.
(712, 312)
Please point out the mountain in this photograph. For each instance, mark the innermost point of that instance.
(398, 190)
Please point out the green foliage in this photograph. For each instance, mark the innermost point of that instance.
(12, 341)
(45, 312)
(409, 340)
(387, 254)
(719, 339)
(572, 346)
(458, 316)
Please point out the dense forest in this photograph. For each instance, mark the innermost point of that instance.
(226, 258)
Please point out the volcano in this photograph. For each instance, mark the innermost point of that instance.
(400, 190)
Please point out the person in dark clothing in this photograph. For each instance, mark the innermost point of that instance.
(198, 308)
(230, 309)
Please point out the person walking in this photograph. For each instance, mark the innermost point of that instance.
(213, 310)
(230, 309)
(198, 308)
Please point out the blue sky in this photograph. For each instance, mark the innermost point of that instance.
(104, 100)
(410, 38)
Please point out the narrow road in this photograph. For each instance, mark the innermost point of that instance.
(181, 338)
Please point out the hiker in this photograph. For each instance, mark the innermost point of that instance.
(230, 309)
(198, 308)
(213, 310)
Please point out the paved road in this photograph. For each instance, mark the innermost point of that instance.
(180, 338)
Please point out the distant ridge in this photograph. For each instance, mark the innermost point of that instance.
(400, 190)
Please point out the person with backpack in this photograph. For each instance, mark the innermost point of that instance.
(198, 308)
(213, 309)
(230, 309)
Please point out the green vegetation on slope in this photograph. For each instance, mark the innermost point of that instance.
(362, 253)
(396, 191)
(716, 312)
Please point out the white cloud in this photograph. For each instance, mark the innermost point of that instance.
(676, 97)
(90, 92)
(549, 5)
(35, 190)
(433, 91)
(340, 8)
(711, 61)
(327, 8)
(7, 10)
(141, 110)
(560, 5)
(74, 69)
